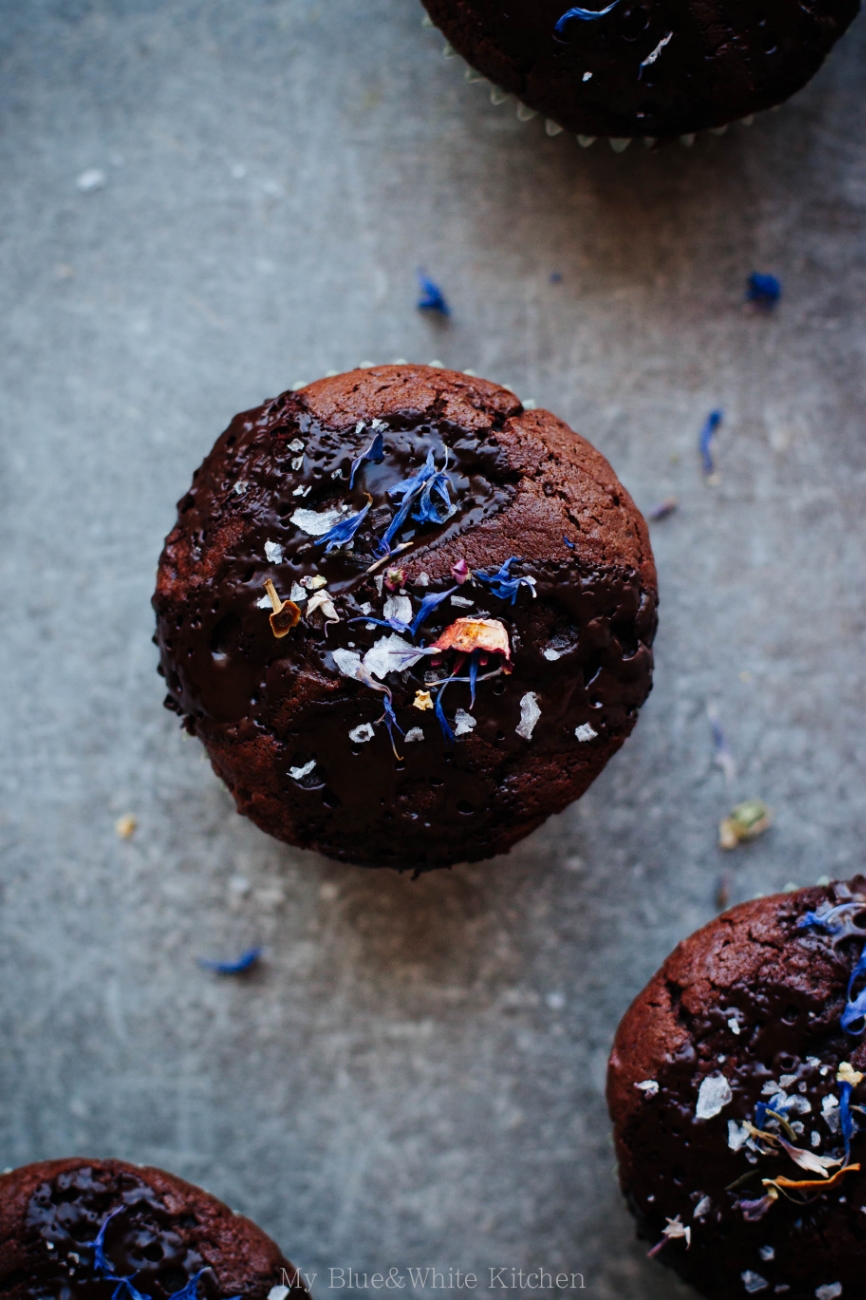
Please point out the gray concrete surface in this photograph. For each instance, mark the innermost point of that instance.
(414, 1075)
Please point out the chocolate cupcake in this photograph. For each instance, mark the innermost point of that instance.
(408, 618)
(738, 1096)
(100, 1229)
(652, 68)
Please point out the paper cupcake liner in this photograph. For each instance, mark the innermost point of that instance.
(618, 144)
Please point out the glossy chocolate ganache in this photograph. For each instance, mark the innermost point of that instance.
(737, 1087)
(408, 618)
(104, 1230)
(653, 68)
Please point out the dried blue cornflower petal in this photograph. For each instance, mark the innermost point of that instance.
(663, 509)
(846, 1119)
(428, 604)
(125, 1290)
(245, 962)
(503, 585)
(569, 544)
(473, 675)
(343, 532)
(389, 718)
(432, 298)
(838, 920)
(413, 494)
(582, 16)
(443, 721)
(425, 511)
(188, 1292)
(855, 1009)
(100, 1262)
(713, 420)
(763, 290)
(375, 453)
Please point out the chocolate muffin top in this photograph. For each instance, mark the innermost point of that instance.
(95, 1229)
(736, 1087)
(657, 68)
(408, 618)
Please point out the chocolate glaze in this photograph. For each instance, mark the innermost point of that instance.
(520, 482)
(162, 1232)
(786, 988)
(725, 59)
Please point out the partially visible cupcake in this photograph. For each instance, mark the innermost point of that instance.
(85, 1229)
(737, 1088)
(408, 618)
(652, 68)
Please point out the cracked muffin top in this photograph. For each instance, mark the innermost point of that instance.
(407, 617)
(736, 1088)
(102, 1229)
(653, 68)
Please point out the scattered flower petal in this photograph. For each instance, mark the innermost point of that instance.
(746, 822)
(125, 826)
(432, 298)
(375, 453)
(468, 634)
(321, 600)
(503, 585)
(343, 532)
(284, 615)
(460, 571)
(763, 291)
(581, 15)
(422, 701)
(713, 420)
(246, 960)
(664, 508)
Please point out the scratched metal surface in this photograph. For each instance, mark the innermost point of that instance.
(414, 1075)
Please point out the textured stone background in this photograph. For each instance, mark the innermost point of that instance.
(414, 1075)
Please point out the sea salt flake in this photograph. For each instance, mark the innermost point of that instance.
(414, 733)
(298, 463)
(348, 662)
(315, 523)
(463, 723)
(241, 486)
(297, 593)
(552, 654)
(767, 1253)
(297, 772)
(828, 1292)
(702, 1208)
(274, 552)
(462, 601)
(391, 654)
(301, 491)
(529, 715)
(649, 1087)
(714, 1095)
(585, 732)
(787, 1081)
(398, 607)
(753, 1281)
(360, 735)
(264, 602)
(296, 445)
(278, 1293)
(734, 1025)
